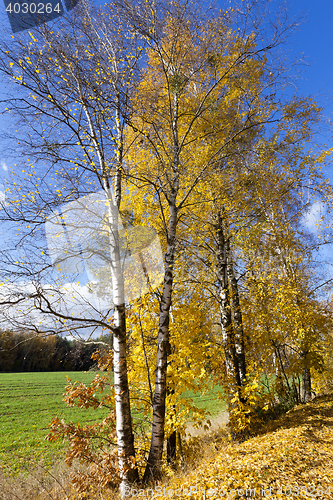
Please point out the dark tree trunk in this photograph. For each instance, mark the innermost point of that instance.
(236, 314)
(172, 449)
(172, 439)
(154, 463)
(307, 393)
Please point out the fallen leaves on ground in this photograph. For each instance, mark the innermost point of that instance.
(292, 457)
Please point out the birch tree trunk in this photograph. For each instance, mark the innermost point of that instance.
(236, 315)
(225, 307)
(229, 279)
(306, 379)
(125, 437)
(227, 324)
(153, 468)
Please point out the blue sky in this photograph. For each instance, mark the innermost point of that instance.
(312, 45)
(314, 37)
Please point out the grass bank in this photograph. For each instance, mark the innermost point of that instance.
(292, 457)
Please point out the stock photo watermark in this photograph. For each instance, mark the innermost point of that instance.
(245, 492)
(89, 244)
(27, 14)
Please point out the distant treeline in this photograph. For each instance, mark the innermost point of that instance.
(20, 352)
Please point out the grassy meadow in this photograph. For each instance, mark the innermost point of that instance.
(30, 401)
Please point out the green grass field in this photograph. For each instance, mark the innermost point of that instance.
(210, 400)
(30, 401)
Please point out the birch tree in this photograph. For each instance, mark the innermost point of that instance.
(287, 267)
(74, 93)
(180, 124)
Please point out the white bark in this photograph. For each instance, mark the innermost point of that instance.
(225, 308)
(237, 316)
(125, 437)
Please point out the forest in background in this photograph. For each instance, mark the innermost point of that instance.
(188, 122)
(19, 352)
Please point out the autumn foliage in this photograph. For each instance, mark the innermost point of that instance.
(290, 456)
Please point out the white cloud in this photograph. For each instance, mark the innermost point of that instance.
(4, 166)
(311, 219)
(71, 299)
